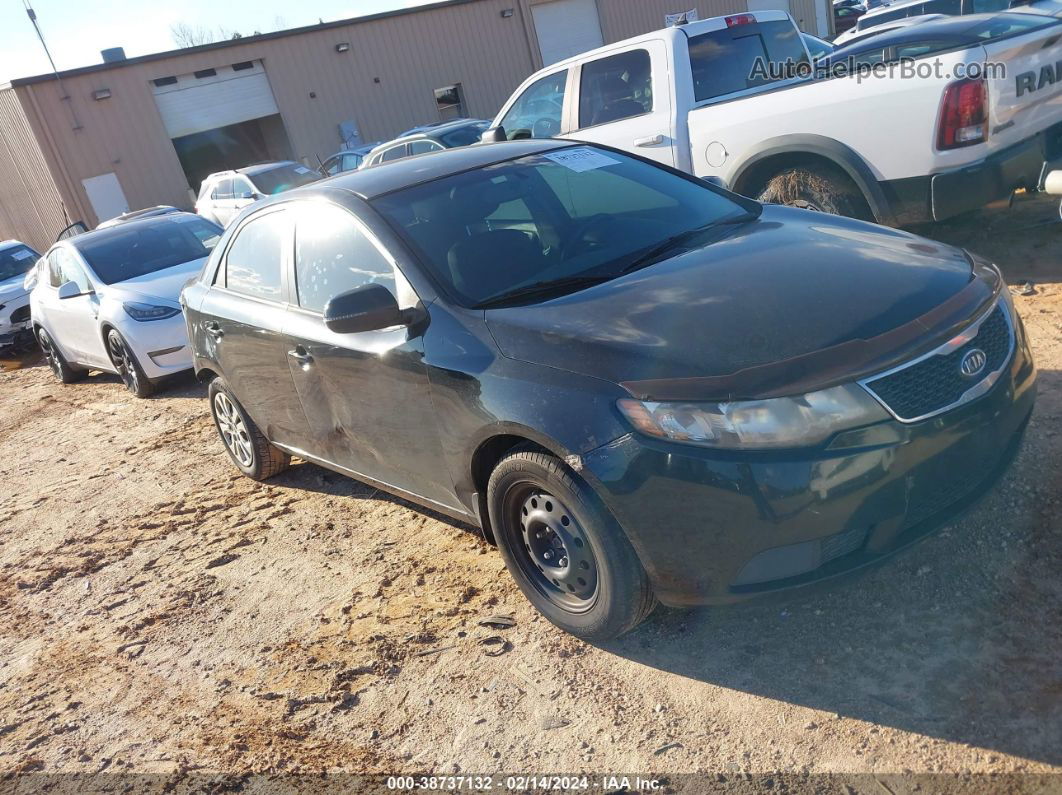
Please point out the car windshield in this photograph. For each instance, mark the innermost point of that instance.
(546, 224)
(282, 178)
(463, 136)
(131, 250)
(16, 260)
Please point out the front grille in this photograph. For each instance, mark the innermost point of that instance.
(935, 383)
(842, 544)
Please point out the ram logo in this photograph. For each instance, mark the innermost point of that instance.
(1032, 81)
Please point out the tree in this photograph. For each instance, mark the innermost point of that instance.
(185, 35)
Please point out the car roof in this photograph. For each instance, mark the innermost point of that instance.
(12, 243)
(397, 174)
(122, 229)
(434, 133)
(258, 168)
(961, 30)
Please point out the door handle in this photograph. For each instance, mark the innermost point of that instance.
(651, 140)
(301, 355)
(213, 329)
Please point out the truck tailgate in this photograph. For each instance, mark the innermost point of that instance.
(1027, 98)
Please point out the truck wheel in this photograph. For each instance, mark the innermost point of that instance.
(63, 370)
(564, 549)
(820, 188)
(248, 448)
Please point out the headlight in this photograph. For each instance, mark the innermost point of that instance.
(143, 312)
(757, 424)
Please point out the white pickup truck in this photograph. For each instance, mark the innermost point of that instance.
(883, 147)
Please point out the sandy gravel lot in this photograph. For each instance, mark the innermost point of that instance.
(161, 614)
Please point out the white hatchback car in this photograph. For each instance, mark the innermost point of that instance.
(108, 299)
(16, 259)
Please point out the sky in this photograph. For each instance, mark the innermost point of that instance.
(76, 30)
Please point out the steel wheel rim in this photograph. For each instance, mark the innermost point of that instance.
(49, 354)
(552, 549)
(233, 430)
(123, 362)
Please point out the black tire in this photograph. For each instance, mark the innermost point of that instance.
(249, 450)
(64, 371)
(822, 188)
(129, 369)
(566, 552)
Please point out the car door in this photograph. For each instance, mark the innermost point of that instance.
(623, 101)
(242, 318)
(243, 194)
(73, 322)
(366, 395)
(221, 201)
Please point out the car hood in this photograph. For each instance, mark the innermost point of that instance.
(12, 288)
(164, 285)
(789, 284)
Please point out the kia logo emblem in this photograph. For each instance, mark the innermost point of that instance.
(973, 363)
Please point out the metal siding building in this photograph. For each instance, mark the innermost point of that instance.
(103, 128)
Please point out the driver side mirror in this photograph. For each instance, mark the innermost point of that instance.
(71, 290)
(495, 135)
(370, 307)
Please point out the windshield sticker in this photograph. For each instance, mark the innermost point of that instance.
(581, 159)
(22, 254)
(303, 170)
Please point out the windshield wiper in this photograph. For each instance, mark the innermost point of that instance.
(673, 242)
(545, 286)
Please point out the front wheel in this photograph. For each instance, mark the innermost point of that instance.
(128, 368)
(248, 448)
(567, 553)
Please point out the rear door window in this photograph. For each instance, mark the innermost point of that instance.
(223, 190)
(394, 153)
(255, 258)
(616, 87)
(725, 61)
(420, 147)
(333, 255)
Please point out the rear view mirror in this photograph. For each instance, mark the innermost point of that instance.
(70, 290)
(367, 308)
(494, 135)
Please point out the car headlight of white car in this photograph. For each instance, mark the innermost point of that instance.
(145, 312)
(757, 424)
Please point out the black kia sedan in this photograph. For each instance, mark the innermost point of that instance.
(642, 387)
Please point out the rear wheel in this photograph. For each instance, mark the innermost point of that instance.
(564, 549)
(248, 448)
(821, 188)
(64, 371)
(128, 367)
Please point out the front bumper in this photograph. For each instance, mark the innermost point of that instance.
(160, 346)
(939, 196)
(15, 322)
(713, 527)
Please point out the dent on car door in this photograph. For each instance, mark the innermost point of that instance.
(624, 100)
(366, 395)
(73, 322)
(241, 322)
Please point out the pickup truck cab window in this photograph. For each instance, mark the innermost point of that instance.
(616, 87)
(723, 61)
(537, 113)
(253, 262)
(334, 254)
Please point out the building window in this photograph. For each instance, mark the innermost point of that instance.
(450, 101)
(164, 81)
(206, 73)
(239, 67)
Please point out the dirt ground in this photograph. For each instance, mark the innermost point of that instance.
(161, 614)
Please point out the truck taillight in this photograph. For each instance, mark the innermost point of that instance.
(963, 114)
(740, 19)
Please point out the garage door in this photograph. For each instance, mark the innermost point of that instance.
(214, 97)
(566, 28)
